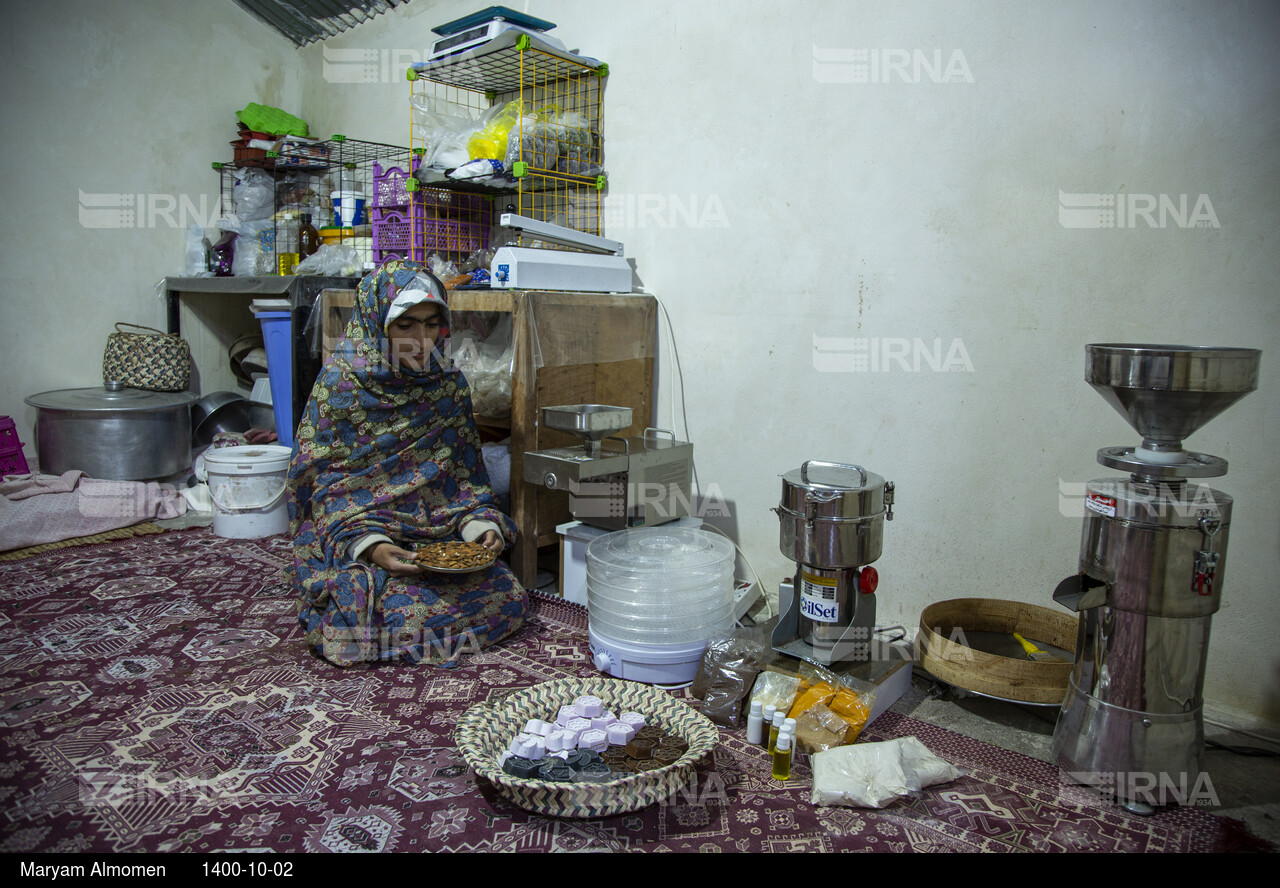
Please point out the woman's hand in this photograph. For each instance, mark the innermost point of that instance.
(492, 541)
(394, 560)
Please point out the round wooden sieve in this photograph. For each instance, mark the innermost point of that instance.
(942, 651)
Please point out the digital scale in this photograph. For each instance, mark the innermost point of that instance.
(490, 29)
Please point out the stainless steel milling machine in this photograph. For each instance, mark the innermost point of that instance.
(1152, 559)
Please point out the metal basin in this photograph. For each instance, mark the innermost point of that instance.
(236, 415)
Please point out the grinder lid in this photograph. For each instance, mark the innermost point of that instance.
(840, 491)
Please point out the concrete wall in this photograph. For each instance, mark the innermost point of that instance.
(826, 197)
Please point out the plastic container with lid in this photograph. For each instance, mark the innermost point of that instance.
(655, 596)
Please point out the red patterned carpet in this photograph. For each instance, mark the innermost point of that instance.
(155, 696)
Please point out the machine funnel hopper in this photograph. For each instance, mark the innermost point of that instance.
(1166, 392)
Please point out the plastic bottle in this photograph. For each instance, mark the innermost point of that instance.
(286, 245)
(790, 731)
(755, 723)
(782, 757)
(308, 237)
(765, 723)
(779, 718)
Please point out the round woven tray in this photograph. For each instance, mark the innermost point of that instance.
(940, 649)
(486, 729)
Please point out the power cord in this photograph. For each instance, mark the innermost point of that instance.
(678, 372)
(754, 572)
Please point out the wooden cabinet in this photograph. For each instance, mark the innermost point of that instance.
(569, 348)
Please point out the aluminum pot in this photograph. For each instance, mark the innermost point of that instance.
(113, 433)
(832, 515)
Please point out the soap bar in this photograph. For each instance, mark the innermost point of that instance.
(520, 767)
(620, 733)
(528, 746)
(537, 727)
(635, 719)
(576, 726)
(671, 741)
(667, 754)
(579, 757)
(588, 706)
(595, 772)
(641, 747)
(560, 740)
(565, 713)
(556, 770)
(594, 740)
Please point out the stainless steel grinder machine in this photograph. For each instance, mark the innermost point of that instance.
(831, 524)
(1152, 558)
(639, 481)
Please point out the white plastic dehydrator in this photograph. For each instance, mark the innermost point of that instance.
(655, 597)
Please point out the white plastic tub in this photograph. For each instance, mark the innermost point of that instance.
(247, 489)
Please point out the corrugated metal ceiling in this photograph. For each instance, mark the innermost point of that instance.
(306, 21)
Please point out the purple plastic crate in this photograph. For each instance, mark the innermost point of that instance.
(389, 185)
(13, 463)
(12, 460)
(391, 232)
(443, 221)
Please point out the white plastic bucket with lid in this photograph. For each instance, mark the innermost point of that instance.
(247, 489)
(348, 208)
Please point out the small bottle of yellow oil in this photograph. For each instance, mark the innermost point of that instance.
(778, 719)
(782, 757)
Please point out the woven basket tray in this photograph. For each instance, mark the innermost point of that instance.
(486, 729)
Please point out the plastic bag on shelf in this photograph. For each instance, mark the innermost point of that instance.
(332, 260)
(443, 128)
(489, 141)
(575, 144)
(251, 258)
(253, 195)
(486, 362)
(476, 170)
(829, 710)
(535, 142)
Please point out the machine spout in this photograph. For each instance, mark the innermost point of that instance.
(1080, 593)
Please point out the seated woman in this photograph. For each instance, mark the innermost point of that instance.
(388, 458)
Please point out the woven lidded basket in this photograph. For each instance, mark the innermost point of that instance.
(485, 731)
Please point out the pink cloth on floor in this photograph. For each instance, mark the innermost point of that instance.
(36, 509)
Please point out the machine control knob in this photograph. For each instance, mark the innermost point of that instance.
(602, 660)
(868, 580)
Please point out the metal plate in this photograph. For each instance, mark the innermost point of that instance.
(454, 570)
(1198, 465)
